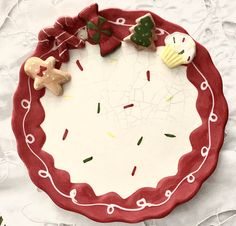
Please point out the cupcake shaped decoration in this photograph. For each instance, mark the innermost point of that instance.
(179, 49)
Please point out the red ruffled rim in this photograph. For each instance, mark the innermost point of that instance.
(188, 163)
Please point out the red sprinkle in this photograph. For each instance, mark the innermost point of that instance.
(79, 65)
(134, 170)
(148, 75)
(128, 106)
(65, 134)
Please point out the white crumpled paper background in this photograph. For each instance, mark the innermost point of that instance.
(210, 22)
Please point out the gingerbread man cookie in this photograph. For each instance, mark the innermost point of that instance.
(46, 75)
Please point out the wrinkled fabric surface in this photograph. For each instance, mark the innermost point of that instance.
(210, 22)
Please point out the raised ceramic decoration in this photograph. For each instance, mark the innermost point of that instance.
(45, 75)
(179, 49)
(130, 138)
(143, 33)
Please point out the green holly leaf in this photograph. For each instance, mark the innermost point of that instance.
(96, 37)
(107, 32)
(101, 20)
(91, 25)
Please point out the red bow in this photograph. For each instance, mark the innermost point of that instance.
(63, 41)
(99, 30)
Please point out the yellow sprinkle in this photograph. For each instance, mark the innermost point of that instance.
(113, 60)
(169, 98)
(67, 97)
(110, 134)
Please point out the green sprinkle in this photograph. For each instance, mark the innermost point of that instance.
(88, 159)
(170, 135)
(140, 140)
(181, 52)
(99, 108)
(1, 220)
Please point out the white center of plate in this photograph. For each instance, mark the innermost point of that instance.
(131, 107)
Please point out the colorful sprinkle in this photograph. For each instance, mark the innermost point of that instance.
(188, 58)
(88, 159)
(67, 97)
(79, 65)
(110, 134)
(65, 134)
(98, 108)
(113, 60)
(140, 140)
(148, 75)
(181, 52)
(128, 106)
(174, 39)
(169, 98)
(183, 39)
(170, 135)
(134, 170)
(1, 220)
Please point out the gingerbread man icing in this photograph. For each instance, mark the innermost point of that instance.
(46, 75)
